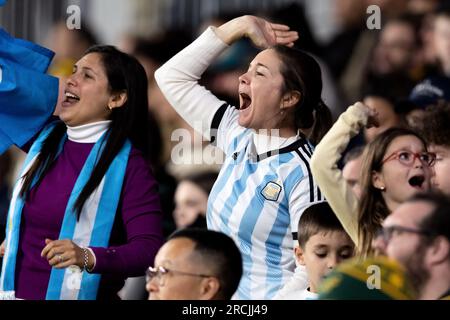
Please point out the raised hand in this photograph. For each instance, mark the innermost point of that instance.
(261, 32)
(265, 34)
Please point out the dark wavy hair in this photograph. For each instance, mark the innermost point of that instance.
(435, 126)
(125, 74)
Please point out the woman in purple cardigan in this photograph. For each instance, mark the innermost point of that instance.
(85, 214)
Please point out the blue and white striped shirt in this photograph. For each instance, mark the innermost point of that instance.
(258, 198)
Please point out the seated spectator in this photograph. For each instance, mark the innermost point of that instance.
(195, 264)
(372, 279)
(417, 234)
(191, 199)
(323, 244)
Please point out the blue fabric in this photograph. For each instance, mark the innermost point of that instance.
(27, 95)
(13, 222)
(2, 2)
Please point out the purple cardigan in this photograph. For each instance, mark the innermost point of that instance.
(136, 235)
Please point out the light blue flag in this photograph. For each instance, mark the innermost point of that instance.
(27, 95)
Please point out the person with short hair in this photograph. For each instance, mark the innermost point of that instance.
(323, 244)
(195, 264)
(417, 234)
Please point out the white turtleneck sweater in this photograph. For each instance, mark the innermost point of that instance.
(88, 133)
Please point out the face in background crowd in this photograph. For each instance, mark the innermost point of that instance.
(351, 174)
(442, 41)
(191, 201)
(395, 49)
(386, 116)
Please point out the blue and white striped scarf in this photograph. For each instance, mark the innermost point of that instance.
(93, 228)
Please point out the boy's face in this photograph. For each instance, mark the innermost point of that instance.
(441, 177)
(323, 252)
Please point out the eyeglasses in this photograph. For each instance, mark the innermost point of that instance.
(407, 158)
(160, 272)
(387, 232)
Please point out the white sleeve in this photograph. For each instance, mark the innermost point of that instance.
(327, 174)
(178, 80)
(298, 282)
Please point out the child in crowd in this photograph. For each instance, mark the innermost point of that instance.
(323, 244)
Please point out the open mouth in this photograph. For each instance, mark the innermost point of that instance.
(71, 98)
(246, 101)
(416, 181)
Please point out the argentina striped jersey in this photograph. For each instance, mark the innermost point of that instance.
(258, 200)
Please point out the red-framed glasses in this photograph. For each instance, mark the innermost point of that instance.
(407, 158)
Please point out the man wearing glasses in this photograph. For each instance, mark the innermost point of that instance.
(195, 264)
(417, 235)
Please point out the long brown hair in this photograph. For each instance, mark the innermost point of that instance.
(124, 73)
(372, 208)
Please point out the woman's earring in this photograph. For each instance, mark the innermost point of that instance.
(382, 188)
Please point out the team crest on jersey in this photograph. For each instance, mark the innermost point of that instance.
(271, 191)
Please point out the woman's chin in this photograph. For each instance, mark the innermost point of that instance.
(65, 117)
(244, 121)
